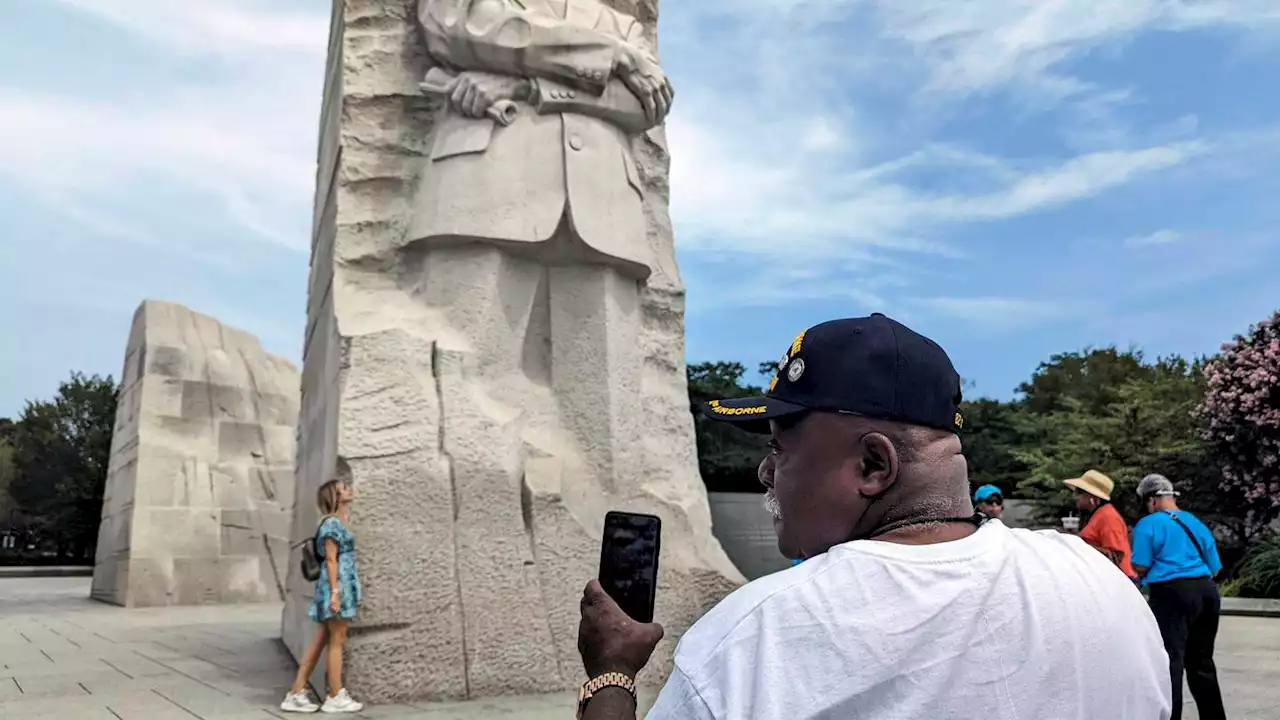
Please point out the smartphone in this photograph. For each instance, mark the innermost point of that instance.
(629, 562)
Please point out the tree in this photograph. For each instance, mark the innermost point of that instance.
(61, 451)
(1092, 377)
(990, 437)
(1241, 412)
(727, 456)
(7, 473)
(1143, 423)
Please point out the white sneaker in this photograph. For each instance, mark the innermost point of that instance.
(299, 703)
(341, 703)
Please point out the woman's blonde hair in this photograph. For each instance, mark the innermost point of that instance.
(327, 497)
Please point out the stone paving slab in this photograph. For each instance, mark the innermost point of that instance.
(1251, 607)
(64, 656)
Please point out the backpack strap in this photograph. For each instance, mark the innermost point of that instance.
(316, 536)
(1191, 536)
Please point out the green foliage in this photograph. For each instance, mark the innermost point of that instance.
(727, 456)
(1230, 588)
(1260, 574)
(991, 437)
(1091, 377)
(1142, 424)
(60, 453)
(7, 473)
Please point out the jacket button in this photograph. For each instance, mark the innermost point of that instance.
(575, 142)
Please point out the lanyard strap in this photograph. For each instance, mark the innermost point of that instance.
(1191, 536)
(977, 519)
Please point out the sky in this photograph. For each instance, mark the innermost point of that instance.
(1013, 178)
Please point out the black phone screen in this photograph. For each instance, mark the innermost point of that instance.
(629, 562)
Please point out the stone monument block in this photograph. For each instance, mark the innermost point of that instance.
(494, 350)
(199, 493)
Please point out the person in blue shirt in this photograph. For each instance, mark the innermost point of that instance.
(989, 501)
(1177, 558)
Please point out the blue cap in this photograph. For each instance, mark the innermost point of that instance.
(986, 491)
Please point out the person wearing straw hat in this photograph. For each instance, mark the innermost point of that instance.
(1104, 529)
(1177, 557)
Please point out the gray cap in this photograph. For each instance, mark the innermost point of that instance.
(1154, 484)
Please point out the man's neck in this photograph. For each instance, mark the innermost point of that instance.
(1164, 504)
(929, 533)
(928, 522)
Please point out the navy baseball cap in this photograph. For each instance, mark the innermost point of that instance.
(872, 366)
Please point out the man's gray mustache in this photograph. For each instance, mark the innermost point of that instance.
(771, 504)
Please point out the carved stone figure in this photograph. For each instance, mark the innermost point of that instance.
(495, 343)
(559, 184)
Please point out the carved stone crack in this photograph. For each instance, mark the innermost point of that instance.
(453, 493)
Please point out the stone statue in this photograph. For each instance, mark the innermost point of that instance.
(559, 185)
(494, 353)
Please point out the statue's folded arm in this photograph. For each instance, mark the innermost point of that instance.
(496, 36)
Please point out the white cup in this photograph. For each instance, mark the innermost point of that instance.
(1071, 523)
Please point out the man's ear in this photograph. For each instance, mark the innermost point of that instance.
(878, 469)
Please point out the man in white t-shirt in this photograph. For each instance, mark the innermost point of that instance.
(909, 605)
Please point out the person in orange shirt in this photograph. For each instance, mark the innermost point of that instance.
(1104, 529)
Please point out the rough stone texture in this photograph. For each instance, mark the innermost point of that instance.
(482, 485)
(199, 493)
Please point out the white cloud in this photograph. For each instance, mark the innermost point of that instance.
(1159, 237)
(999, 313)
(795, 154)
(232, 28)
(776, 158)
(753, 193)
(986, 45)
(241, 138)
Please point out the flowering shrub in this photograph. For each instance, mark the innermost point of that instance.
(1241, 416)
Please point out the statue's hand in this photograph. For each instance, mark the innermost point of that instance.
(645, 79)
(475, 92)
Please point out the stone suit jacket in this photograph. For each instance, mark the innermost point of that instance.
(569, 149)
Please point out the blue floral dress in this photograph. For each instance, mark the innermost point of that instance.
(349, 591)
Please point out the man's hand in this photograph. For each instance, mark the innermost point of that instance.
(645, 79)
(475, 92)
(609, 640)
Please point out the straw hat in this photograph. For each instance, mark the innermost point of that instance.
(1094, 483)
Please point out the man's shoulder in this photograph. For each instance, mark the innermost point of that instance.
(1056, 548)
(743, 606)
(1111, 513)
(1192, 519)
(1148, 522)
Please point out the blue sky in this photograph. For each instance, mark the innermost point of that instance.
(1011, 178)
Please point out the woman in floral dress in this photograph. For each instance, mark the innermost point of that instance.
(333, 604)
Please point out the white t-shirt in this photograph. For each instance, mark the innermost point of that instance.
(1001, 625)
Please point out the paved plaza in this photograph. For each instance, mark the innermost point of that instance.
(67, 657)
(64, 656)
